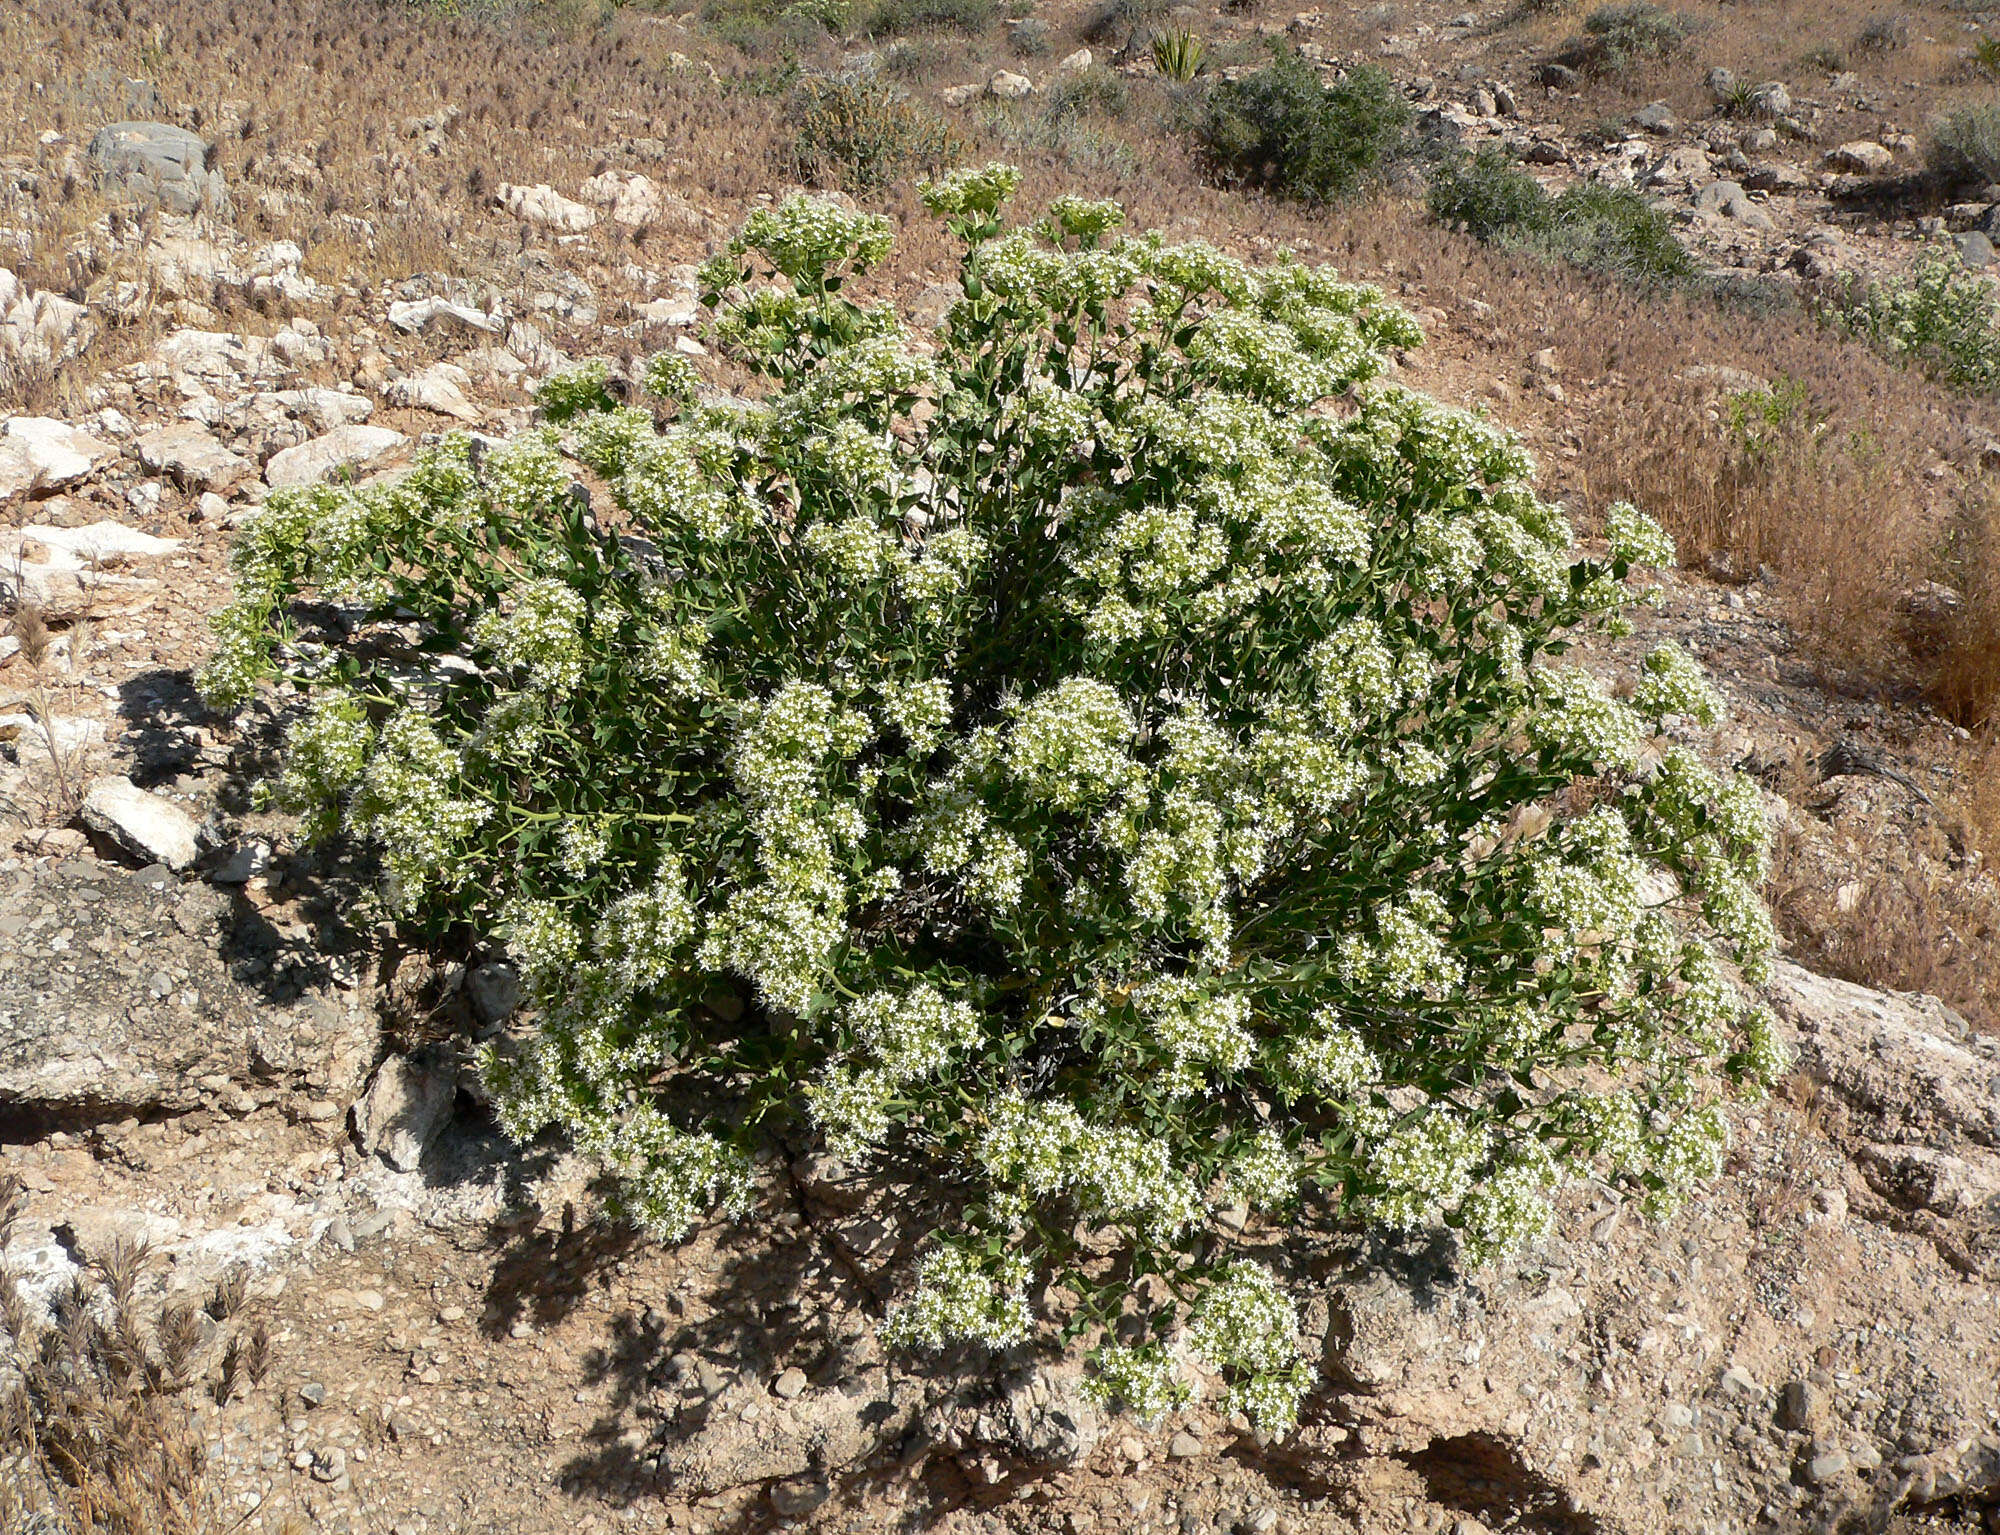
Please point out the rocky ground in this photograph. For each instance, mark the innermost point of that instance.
(203, 1047)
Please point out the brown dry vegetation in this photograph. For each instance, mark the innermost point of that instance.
(98, 1434)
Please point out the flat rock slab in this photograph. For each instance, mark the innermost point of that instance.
(346, 449)
(100, 543)
(189, 455)
(142, 824)
(122, 991)
(39, 454)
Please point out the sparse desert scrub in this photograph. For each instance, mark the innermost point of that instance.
(1124, 757)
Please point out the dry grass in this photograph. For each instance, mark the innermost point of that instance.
(97, 1431)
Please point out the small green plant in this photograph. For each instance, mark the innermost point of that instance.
(1942, 318)
(1092, 92)
(1489, 196)
(1178, 54)
(1029, 37)
(1739, 99)
(1986, 55)
(1884, 34)
(1830, 58)
(862, 132)
(1760, 419)
(1616, 38)
(1282, 128)
(1116, 22)
(1964, 147)
(834, 15)
(1122, 791)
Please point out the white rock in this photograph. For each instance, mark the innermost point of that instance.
(245, 861)
(439, 388)
(39, 328)
(1009, 86)
(1074, 63)
(39, 454)
(356, 449)
(636, 200)
(545, 205)
(403, 1110)
(102, 543)
(1863, 156)
(192, 458)
(414, 315)
(143, 824)
(59, 734)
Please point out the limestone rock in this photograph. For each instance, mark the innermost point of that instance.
(403, 1110)
(413, 315)
(142, 824)
(161, 163)
(546, 206)
(1864, 156)
(189, 455)
(39, 329)
(638, 201)
(97, 544)
(352, 450)
(440, 389)
(39, 454)
(1009, 86)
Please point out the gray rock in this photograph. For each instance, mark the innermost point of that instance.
(1721, 82)
(1656, 117)
(353, 450)
(791, 1499)
(1863, 156)
(1975, 248)
(1771, 99)
(142, 824)
(160, 163)
(403, 1110)
(1795, 1405)
(187, 454)
(1557, 77)
(494, 989)
(85, 1031)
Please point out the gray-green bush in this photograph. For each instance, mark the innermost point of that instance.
(1614, 230)
(1283, 128)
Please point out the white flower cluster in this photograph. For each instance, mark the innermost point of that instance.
(1425, 1167)
(406, 806)
(1071, 743)
(1146, 1378)
(959, 1297)
(1246, 1324)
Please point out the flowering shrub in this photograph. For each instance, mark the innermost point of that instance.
(1942, 317)
(1124, 751)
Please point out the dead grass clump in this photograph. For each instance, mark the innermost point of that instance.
(1918, 926)
(97, 1433)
